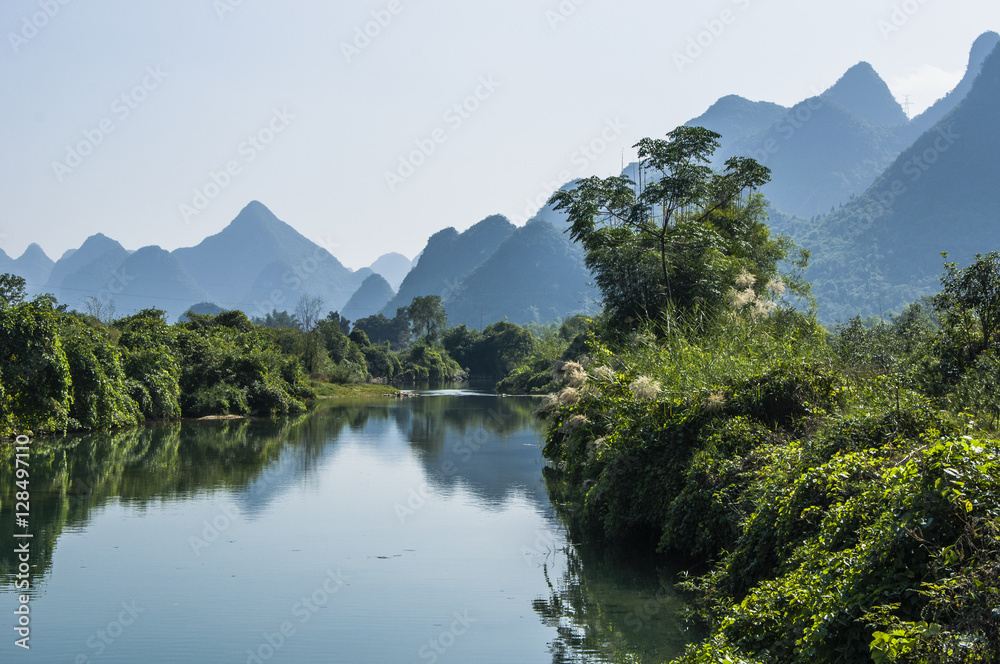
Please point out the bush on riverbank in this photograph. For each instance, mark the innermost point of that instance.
(69, 371)
(841, 490)
(846, 511)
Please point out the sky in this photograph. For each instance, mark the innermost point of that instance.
(369, 125)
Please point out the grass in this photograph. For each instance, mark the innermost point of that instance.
(337, 390)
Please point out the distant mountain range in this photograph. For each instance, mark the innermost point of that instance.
(33, 265)
(834, 145)
(873, 195)
(259, 263)
(495, 271)
(882, 249)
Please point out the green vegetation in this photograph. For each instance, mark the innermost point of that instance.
(834, 492)
(683, 239)
(342, 390)
(553, 344)
(63, 370)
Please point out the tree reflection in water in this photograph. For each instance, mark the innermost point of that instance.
(608, 605)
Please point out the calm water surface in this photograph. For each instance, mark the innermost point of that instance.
(415, 530)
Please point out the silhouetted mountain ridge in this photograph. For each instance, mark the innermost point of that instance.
(882, 249)
(536, 275)
(369, 299)
(981, 49)
(448, 257)
(862, 92)
(229, 265)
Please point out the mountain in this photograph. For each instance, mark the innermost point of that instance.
(737, 119)
(558, 218)
(821, 151)
(882, 249)
(448, 257)
(130, 281)
(90, 271)
(981, 49)
(830, 147)
(862, 92)
(820, 155)
(393, 268)
(33, 266)
(231, 265)
(259, 264)
(536, 275)
(374, 294)
(93, 248)
(153, 278)
(280, 285)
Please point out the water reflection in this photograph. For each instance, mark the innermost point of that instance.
(608, 603)
(611, 607)
(479, 456)
(455, 438)
(72, 476)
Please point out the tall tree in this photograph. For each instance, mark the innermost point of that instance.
(309, 311)
(428, 317)
(969, 302)
(12, 290)
(681, 235)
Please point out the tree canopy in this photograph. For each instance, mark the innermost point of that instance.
(682, 236)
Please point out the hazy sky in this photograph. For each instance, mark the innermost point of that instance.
(156, 122)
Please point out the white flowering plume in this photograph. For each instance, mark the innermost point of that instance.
(570, 396)
(715, 402)
(603, 374)
(594, 448)
(645, 388)
(571, 373)
(743, 297)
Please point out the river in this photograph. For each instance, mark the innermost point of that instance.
(395, 530)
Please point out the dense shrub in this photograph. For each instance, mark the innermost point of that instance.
(34, 372)
(101, 391)
(843, 511)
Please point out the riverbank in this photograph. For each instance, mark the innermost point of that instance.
(347, 390)
(843, 512)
